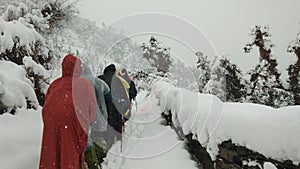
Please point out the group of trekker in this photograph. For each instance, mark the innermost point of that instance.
(84, 115)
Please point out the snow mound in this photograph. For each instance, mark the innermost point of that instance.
(271, 132)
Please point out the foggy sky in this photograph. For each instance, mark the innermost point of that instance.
(224, 23)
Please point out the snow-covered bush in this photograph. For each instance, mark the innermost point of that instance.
(38, 75)
(18, 40)
(16, 90)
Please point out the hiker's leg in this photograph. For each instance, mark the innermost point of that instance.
(91, 157)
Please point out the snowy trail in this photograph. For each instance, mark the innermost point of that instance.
(147, 143)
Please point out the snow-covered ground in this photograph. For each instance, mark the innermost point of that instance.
(146, 144)
(149, 144)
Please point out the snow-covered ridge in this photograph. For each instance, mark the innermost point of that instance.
(271, 132)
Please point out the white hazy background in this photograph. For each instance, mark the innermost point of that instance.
(226, 24)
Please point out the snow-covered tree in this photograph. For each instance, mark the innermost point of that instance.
(44, 15)
(25, 33)
(294, 70)
(106, 45)
(235, 84)
(217, 82)
(265, 86)
(18, 41)
(157, 54)
(59, 13)
(226, 81)
(183, 75)
(202, 73)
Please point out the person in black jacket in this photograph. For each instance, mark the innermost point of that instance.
(116, 108)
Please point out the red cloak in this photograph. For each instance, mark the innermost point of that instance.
(70, 107)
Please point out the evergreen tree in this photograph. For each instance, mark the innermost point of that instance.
(157, 54)
(265, 86)
(294, 70)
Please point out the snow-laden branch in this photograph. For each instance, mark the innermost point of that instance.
(16, 33)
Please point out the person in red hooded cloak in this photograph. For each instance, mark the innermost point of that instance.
(70, 107)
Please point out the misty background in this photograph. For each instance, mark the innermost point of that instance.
(207, 26)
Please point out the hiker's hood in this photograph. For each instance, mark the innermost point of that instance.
(110, 69)
(71, 66)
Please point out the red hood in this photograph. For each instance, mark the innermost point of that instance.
(71, 66)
